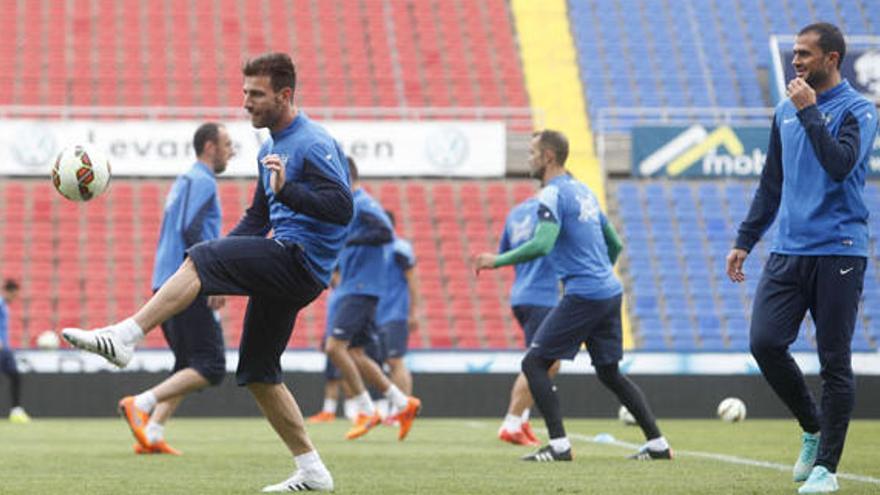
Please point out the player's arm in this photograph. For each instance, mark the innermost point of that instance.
(612, 239)
(765, 204)
(255, 221)
(412, 284)
(373, 231)
(838, 156)
(199, 203)
(320, 193)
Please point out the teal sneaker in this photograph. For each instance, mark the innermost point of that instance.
(809, 450)
(820, 481)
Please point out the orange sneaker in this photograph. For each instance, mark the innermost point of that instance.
(407, 416)
(363, 424)
(136, 419)
(159, 447)
(321, 417)
(530, 433)
(515, 437)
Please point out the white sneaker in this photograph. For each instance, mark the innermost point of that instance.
(103, 342)
(304, 481)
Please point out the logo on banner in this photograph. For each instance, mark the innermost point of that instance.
(867, 68)
(447, 148)
(34, 147)
(696, 145)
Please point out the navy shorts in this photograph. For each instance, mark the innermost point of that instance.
(7, 362)
(576, 320)
(354, 320)
(275, 276)
(196, 338)
(530, 318)
(396, 335)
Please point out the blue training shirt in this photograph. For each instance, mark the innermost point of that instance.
(363, 261)
(814, 177)
(394, 302)
(4, 324)
(314, 206)
(535, 282)
(192, 215)
(580, 255)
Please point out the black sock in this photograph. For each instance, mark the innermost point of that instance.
(631, 396)
(536, 370)
(15, 389)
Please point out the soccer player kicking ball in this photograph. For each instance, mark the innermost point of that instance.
(303, 196)
(571, 230)
(812, 183)
(534, 293)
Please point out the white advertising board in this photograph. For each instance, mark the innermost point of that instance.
(164, 148)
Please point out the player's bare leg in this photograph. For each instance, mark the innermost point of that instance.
(116, 342)
(408, 407)
(400, 374)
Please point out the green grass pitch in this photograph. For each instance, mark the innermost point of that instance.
(441, 456)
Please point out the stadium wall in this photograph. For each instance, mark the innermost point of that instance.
(444, 395)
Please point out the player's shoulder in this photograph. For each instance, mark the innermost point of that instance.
(861, 107)
(403, 246)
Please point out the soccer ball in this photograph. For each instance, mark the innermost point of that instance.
(732, 410)
(48, 340)
(625, 416)
(80, 173)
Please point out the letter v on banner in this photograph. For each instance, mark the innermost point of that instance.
(654, 162)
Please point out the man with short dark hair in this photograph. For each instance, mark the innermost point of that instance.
(812, 183)
(303, 197)
(582, 246)
(8, 367)
(192, 215)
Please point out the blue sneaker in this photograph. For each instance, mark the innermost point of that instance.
(809, 450)
(820, 481)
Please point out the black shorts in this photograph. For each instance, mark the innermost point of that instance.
(7, 362)
(275, 276)
(354, 320)
(196, 338)
(530, 318)
(576, 320)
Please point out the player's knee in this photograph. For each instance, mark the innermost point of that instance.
(608, 374)
(762, 347)
(533, 364)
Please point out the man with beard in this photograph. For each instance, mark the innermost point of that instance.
(812, 181)
(303, 197)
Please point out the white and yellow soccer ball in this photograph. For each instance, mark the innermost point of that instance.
(81, 172)
(48, 340)
(625, 416)
(732, 410)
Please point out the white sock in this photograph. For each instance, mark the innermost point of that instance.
(145, 401)
(129, 331)
(364, 403)
(512, 423)
(525, 415)
(349, 409)
(658, 444)
(330, 406)
(154, 432)
(382, 405)
(310, 461)
(560, 444)
(396, 397)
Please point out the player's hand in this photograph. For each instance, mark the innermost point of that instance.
(413, 322)
(735, 260)
(801, 94)
(484, 261)
(276, 167)
(216, 302)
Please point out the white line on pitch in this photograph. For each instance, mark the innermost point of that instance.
(724, 458)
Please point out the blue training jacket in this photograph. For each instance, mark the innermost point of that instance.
(192, 215)
(814, 177)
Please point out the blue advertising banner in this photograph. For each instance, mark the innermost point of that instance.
(698, 151)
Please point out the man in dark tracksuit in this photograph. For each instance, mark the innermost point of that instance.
(813, 181)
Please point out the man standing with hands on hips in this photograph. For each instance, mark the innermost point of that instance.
(813, 181)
